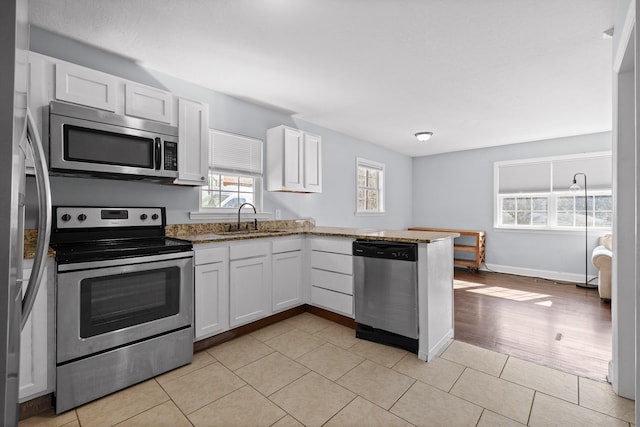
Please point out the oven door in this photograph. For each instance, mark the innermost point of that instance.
(105, 304)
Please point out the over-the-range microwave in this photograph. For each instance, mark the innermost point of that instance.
(89, 142)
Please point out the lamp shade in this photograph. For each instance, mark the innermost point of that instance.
(574, 187)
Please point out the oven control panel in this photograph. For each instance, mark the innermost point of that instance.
(93, 217)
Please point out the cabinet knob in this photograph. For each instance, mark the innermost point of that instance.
(202, 178)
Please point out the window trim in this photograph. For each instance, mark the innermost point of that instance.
(381, 186)
(497, 197)
(232, 213)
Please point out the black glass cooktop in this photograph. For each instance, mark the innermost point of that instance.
(117, 248)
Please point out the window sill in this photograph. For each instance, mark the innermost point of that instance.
(370, 213)
(550, 230)
(228, 215)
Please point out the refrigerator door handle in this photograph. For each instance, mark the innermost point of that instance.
(44, 217)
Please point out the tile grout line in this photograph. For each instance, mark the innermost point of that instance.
(535, 393)
(480, 417)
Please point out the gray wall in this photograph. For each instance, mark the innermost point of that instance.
(335, 206)
(455, 190)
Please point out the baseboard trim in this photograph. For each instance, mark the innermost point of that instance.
(545, 274)
(35, 406)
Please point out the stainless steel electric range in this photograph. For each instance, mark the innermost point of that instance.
(124, 300)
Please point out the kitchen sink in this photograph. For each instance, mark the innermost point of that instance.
(250, 231)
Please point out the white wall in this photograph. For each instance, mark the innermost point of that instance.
(335, 206)
(623, 371)
(455, 190)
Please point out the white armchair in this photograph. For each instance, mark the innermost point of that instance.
(601, 259)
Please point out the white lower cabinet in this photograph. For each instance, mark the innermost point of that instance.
(287, 274)
(250, 282)
(332, 275)
(35, 358)
(211, 305)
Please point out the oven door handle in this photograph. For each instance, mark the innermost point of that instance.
(123, 261)
(44, 218)
(158, 155)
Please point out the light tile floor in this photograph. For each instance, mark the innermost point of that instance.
(309, 371)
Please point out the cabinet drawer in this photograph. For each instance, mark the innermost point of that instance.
(340, 246)
(333, 301)
(249, 250)
(207, 256)
(332, 281)
(332, 262)
(286, 245)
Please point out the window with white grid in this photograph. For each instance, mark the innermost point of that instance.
(534, 193)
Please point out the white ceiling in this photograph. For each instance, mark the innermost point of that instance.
(476, 73)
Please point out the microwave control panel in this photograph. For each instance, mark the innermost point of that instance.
(170, 156)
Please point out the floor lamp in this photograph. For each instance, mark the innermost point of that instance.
(575, 188)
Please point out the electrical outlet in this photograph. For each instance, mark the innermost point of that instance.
(278, 214)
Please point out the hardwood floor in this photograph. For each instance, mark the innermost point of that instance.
(553, 324)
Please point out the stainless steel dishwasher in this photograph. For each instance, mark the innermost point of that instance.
(385, 276)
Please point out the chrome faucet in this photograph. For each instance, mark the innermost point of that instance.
(255, 220)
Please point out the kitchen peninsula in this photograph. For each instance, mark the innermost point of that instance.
(244, 274)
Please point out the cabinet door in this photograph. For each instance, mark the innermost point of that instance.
(33, 343)
(287, 280)
(312, 163)
(84, 86)
(211, 299)
(250, 290)
(293, 159)
(148, 103)
(193, 142)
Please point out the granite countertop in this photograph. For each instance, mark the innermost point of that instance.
(218, 232)
(199, 235)
(30, 243)
(389, 235)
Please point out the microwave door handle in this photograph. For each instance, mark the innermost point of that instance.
(158, 156)
(44, 218)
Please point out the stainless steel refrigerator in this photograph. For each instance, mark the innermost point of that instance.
(18, 135)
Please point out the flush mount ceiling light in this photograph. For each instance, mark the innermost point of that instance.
(424, 136)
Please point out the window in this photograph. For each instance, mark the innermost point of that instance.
(535, 193)
(370, 187)
(228, 191)
(235, 172)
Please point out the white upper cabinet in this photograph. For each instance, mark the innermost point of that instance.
(85, 86)
(193, 142)
(312, 163)
(148, 103)
(294, 160)
(53, 79)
